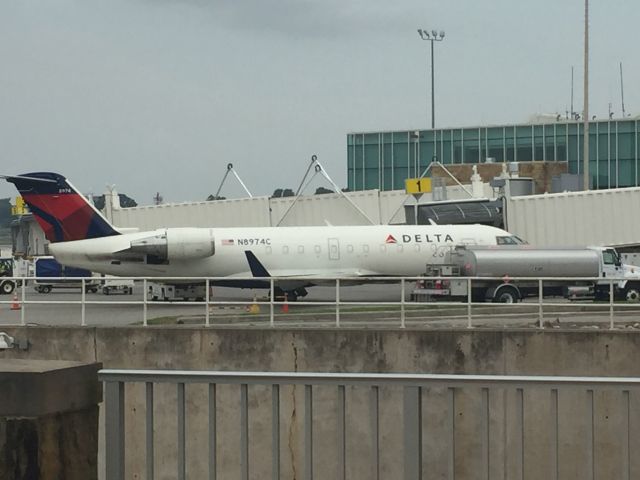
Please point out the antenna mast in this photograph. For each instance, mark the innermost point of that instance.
(572, 92)
(622, 92)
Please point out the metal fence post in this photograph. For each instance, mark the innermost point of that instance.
(338, 302)
(402, 293)
(271, 299)
(144, 302)
(469, 300)
(22, 305)
(206, 307)
(114, 430)
(83, 320)
(611, 304)
(540, 312)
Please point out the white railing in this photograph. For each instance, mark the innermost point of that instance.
(333, 311)
(489, 404)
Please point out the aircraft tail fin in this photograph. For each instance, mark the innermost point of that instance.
(63, 213)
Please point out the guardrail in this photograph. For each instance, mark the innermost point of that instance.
(398, 312)
(490, 401)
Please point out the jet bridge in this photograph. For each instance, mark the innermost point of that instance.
(595, 217)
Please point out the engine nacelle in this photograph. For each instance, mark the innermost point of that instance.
(177, 244)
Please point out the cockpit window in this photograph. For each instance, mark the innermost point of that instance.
(510, 240)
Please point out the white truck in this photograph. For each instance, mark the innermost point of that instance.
(176, 292)
(507, 274)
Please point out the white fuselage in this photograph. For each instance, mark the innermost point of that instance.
(350, 251)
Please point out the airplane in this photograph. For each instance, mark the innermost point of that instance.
(80, 236)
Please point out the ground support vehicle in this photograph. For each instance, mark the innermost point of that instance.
(507, 274)
(7, 284)
(176, 292)
(50, 274)
(111, 285)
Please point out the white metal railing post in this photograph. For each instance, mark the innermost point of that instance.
(272, 322)
(144, 302)
(22, 305)
(469, 301)
(540, 297)
(402, 294)
(207, 321)
(611, 304)
(338, 302)
(83, 320)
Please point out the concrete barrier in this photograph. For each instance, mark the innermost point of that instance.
(586, 352)
(49, 420)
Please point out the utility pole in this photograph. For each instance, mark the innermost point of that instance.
(585, 116)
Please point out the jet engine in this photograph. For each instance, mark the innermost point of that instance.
(177, 244)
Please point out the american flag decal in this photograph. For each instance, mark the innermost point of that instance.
(227, 242)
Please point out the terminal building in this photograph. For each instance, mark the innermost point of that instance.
(382, 160)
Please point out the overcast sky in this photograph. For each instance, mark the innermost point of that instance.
(159, 95)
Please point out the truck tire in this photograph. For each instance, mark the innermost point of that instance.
(45, 289)
(632, 294)
(105, 290)
(506, 295)
(8, 287)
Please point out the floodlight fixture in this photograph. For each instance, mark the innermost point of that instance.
(432, 37)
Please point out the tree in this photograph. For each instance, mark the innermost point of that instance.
(125, 201)
(5, 211)
(322, 190)
(212, 197)
(283, 192)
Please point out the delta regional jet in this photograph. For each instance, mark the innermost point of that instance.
(81, 237)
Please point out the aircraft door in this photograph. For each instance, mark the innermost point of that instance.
(334, 249)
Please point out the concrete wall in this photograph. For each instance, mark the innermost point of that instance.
(550, 352)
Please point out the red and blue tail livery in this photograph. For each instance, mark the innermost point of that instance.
(62, 212)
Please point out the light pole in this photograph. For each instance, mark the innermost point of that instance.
(434, 36)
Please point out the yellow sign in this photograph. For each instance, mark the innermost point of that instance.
(417, 185)
(20, 207)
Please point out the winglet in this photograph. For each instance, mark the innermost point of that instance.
(257, 269)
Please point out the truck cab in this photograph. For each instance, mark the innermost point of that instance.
(7, 284)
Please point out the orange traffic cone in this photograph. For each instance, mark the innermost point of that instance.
(254, 307)
(15, 305)
(285, 305)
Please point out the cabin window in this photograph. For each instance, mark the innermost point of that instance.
(383, 248)
(285, 250)
(349, 248)
(317, 249)
(300, 249)
(365, 248)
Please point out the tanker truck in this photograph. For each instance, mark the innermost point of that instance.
(515, 271)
